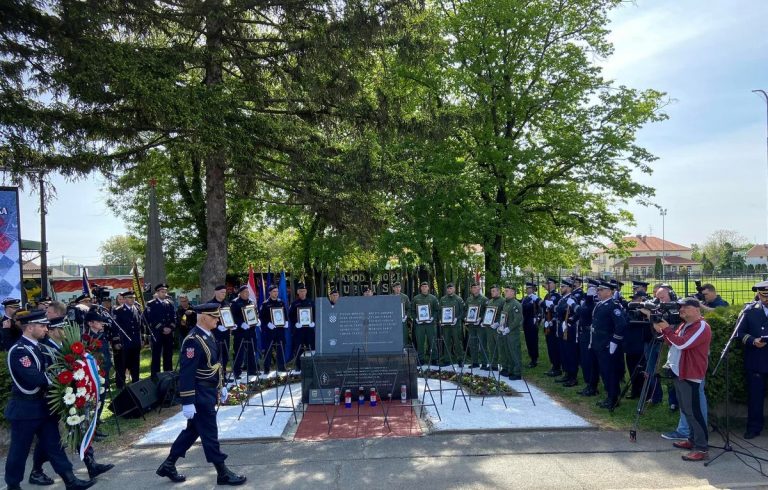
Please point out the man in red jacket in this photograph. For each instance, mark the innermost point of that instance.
(688, 359)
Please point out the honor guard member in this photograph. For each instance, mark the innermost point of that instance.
(50, 346)
(28, 411)
(565, 313)
(608, 326)
(333, 297)
(650, 347)
(245, 341)
(10, 332)
(617, 293)
(302, 327)
(273, 335)
(200, 386)
(531, 312)
(160, 316)
(590, 370)
(753, 332)
(477, 334)
(405, 309)
(185, 317)
(95, 325)
(128, 345)
(550, 328)
(452, 332)
(636, 337)
(510, 334)
(222, 334)
(492, 347)
(367, 291)
(425, 330)
(81, 307)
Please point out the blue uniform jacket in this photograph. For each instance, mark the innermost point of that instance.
(530, 310)
(265, 312)
(754, 325)
(160, 314)
(129, 320)
(563, 309)
(27, 364)
(199, 369)
(608, 324)
(584, 312)
(239, 317)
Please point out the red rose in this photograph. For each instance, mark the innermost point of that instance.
(81, 383)
(77, 348)
(65, 377)
(80, 402)
(86, 338)
(97, 344)
(69, 358)
(101, 373)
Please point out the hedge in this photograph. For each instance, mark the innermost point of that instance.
(5, 388)
(723, 321)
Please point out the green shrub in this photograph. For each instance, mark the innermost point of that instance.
(5, 388)
(723, 321)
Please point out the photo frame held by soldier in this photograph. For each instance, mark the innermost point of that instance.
(250, 315)
(423, 314)
(278, 317)
(304, 316)
(402, 311)
(502, 320)
(490, 316)
(226, 317)
(447, 315)
(473, 314)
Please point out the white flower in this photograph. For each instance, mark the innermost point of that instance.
(101, 392)
(69, 390)
(79, 374)
(80, 392)
(69, 399)
(73, 411)
(73, 420)
(102, 380)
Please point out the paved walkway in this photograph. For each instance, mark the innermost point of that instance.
(558, 459)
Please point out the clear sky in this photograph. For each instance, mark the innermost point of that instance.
(712, 171)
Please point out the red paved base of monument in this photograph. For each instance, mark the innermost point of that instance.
(347, 425)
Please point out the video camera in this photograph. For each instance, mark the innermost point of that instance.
(668, 312)
(699, 291)
(100, 293)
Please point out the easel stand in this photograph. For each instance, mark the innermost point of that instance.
(496, 377)
(280, 388)
(468, 352)
(245, 344)
(441, 347)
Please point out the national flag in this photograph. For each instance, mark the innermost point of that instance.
(282, 293)
(137, 288)
(86, 284)
(252, 286)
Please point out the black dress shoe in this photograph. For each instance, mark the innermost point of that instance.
(504, 372)
(475, 365)
(484, 366)
(71, 482)
(571, 382)
(562, 379)
(588, 391)
(168, 468)
(747, 435)
(13, 487)
(515, 378)
(95, 469)
(494, 368)
(226, 477)
(553, 372)
(38, 477)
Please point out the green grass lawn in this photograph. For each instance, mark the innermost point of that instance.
(736, 290)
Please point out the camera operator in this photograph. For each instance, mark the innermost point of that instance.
(753, 332)
(688, 358)
(708, 295)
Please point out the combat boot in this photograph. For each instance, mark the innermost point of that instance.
(95, 469)
(168, 468)
(74, 483)
(227, 477)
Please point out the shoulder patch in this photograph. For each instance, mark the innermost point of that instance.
(25, 361)
(617, 312)
(190, 352)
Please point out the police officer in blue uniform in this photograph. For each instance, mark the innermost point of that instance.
(127, 341)
(200, 385)
(753, 332)
(222, 333)
(9, 330)
(50, 346)
(272, 335)
(565, 313)
(608, 326)
(550, 326)
(635, 338)
(531, 310)
(160, 316)
(590, 369)
(28, 411)
(303, 334)
(245, 341)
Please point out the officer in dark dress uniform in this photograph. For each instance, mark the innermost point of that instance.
(50, 345)
(272, 336)
(28, 411)
(608, 326)
(635, 338)
(127, 341)
(9, 331)
(753, 332)
(303, 335)
(200, 385)
(587, 359)
(82, 305)
(160, 316)
(565, 313)
(245, 341)
(550, 327)
(531, 310)
(222, 333)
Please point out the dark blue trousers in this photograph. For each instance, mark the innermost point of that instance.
(610, 367)
(246, 353)
(755, 397)
(569, 353)
(588, 361)
(203, 426)
(222, 342)
(22, 434)
(162, 346)
(553, 350)
(303, 340)
(273, 340)
(531, 333)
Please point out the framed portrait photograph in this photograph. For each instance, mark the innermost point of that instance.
(447, 315)
(249, 313)
(473, 314)
(278, 317)
(304, 316)
(422, 313)
(402, 311)
(503, 320)
(226, 317)
(490, 316)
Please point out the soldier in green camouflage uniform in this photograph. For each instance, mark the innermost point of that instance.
(510, 334)
(476, 298)
(452, 333)
(497, 302)
(405, 308)
(425, 330)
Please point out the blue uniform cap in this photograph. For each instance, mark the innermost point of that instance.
(211, 309)
(759, 287)
(606, 285)
(530, 285)
(161, 285)
(567, 282)
(639, 284)
(242, 288)
(593, 282)
(34, 317)
(12, 302)
(93, 316)
(549, 279)
(271, 288)
(129, 294)
(220, 287)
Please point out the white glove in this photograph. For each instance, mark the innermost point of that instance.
(224, 395)
(546, 324)
(534, 296)
(221, 328)
(245, 326)
(430, 320)
(271, 326)
(565, 326)
(312, 325)
(571, 302)
(505, 330)
(188, 411)
(298, 325)
(495, 325)
(549, 303)
(592, 291)
(612, 347)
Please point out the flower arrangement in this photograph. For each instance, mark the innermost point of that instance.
(237, 394)
(477, 385)
(76, 387)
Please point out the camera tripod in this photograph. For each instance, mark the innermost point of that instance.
(649, 373)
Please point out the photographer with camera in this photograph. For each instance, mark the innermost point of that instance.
(753, 333)
(688, 359)
(707, 294)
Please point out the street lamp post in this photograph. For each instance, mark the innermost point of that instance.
(764, 95)
(663, 213)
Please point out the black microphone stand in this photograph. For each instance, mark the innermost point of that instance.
(727, 447)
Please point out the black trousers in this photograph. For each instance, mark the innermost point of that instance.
(162, 345)
(531, 333)
(127, 358)
(203, 426)
(245, 353)
(22, 434)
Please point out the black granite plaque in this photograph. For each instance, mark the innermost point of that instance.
(370, 323)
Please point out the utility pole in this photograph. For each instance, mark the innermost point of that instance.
(764, 95)
(43, 244)
(663, 213)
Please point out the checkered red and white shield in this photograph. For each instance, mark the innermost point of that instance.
(190, 352)
(25, 361)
